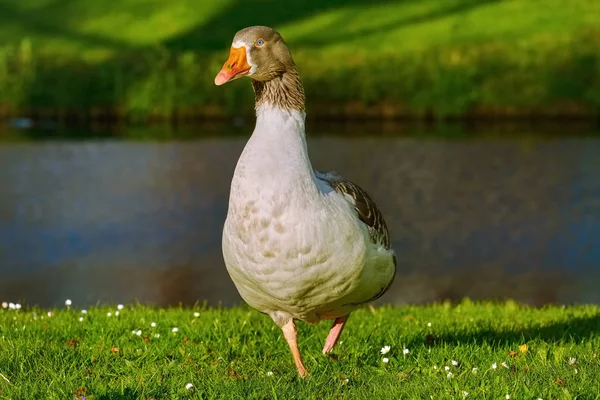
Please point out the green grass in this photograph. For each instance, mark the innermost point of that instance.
(230, 354)
(144, 59)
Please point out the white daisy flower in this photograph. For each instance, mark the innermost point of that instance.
(188, 386)
(196, 314)
(449, 375)
(270, 373)
(572, 360)
(120, 307)
(494, 365)
(175, 330)
(153, 324)
(385, 349)
(405, 351)
(447, 368)
(454, 362)
(68, 302)
(385, 360)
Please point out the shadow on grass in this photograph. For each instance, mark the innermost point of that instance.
(218, 32)
(127, 394)
(573, 330)
(174, 80)
(48, 20)
(332, 35)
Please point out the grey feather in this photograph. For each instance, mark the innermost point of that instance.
(365, 207)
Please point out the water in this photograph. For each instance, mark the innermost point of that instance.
(484, 216)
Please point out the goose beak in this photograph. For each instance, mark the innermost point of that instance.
(235, 66)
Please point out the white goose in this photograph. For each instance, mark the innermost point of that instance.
(298, 244)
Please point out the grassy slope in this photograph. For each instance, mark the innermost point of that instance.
(228, 354)
(448, 58)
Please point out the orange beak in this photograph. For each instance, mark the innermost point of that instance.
(234, 67)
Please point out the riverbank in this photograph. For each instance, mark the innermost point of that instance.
(476, 350)
(417, 60)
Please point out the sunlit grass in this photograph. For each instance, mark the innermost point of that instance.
(395, 26)
(146, 58)
(406, 26)
(486, 350)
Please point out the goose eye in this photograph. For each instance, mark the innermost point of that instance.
(260, 42)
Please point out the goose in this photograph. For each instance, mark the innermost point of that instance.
(298, 244)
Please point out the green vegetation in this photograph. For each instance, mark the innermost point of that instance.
(548, 353)
(151, 59)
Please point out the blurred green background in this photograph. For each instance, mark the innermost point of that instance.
(147, 60)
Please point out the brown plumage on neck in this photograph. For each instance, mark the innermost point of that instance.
(284, 91)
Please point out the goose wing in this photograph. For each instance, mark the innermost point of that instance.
(365, 207)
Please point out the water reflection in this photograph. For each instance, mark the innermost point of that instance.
(118, 221)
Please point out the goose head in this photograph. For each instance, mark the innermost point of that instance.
(258, 52)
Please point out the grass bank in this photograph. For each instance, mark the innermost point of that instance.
(154, 60)
(486, 350)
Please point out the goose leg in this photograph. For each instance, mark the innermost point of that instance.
(334, 333)
(290, 333)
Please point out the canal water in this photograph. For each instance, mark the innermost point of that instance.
(485, 213)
